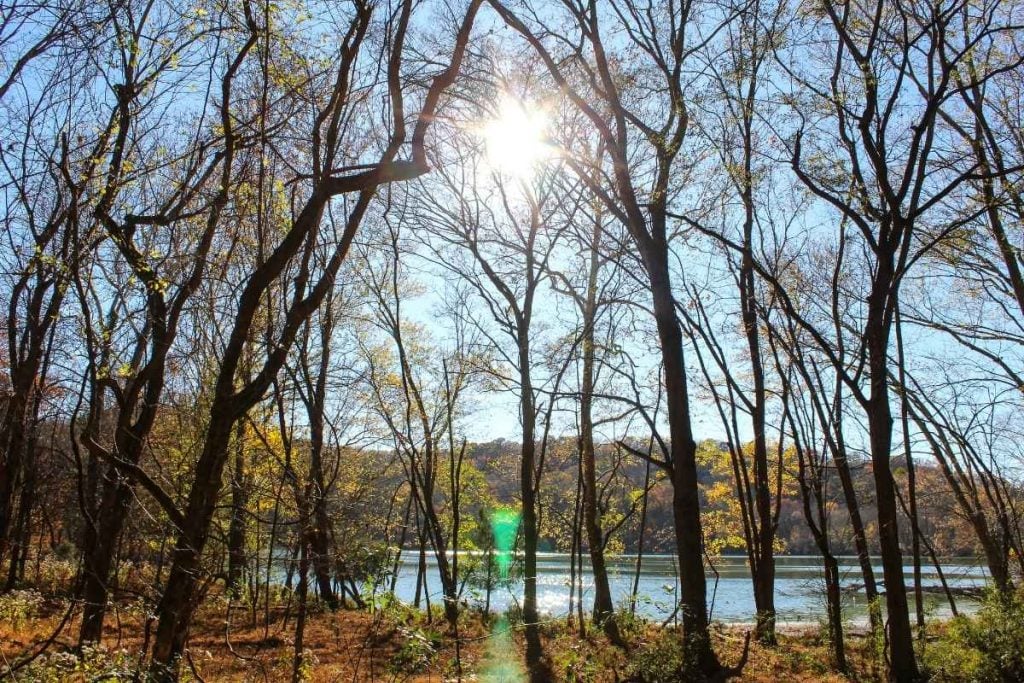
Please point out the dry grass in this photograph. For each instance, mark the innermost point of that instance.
(401, 646)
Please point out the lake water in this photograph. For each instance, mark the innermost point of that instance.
(799, 586)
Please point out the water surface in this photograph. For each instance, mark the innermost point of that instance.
(799, 586)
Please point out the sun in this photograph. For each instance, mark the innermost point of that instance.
(515, 138)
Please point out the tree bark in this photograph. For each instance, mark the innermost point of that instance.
(319, 536)
(903, 665)
(763, 573)
(236, 529)
(604, 610)
(685, 497)
(528, 491)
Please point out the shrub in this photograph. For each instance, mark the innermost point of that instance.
(307, 663)
(577, 664)
(17, 607)
(630, 625)
(56, 576)
(418, 649)
(665, 658)
(94, 663)
(983, 648)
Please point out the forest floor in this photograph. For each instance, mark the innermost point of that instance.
(397, 644)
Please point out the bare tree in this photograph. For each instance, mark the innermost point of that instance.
(165, 287)
(40, 220)
(327, 176)
(644, 141)
(498, 235)
(420, 409)
(737, 121)
(882, 85)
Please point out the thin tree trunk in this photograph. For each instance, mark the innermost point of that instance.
(860, 538)
(421, 564)
(401, 546)
(300, 620)
(835, 614)
(942, 577)
(640, 539)
(13, 441)
(316, 490)
(528, 493)
(236, 530)
(763, 570)
(574, 548)
(911, 477)
(21, 533)
(490, 579)
(604, 610)
(99, 558)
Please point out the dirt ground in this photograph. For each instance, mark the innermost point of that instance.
(394, 645)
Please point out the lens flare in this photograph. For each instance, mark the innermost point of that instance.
(504, 525)
(501, 665)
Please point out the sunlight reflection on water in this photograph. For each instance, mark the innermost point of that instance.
(799, 588)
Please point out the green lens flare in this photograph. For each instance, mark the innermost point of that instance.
(504, 525)
(501, 664)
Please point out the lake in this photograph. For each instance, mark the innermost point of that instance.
(799, 586)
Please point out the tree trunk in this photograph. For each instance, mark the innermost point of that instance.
(911, 509)
(574, 551)
(176, 605)
(902, 665)
(490, 580)
(13, 443)
(316, 494)
(236, 530)
(835, 613)
(604, 610)
(421, 563)
(528, 490)
(100, 555)
(685, 496)
(21, 533)
(300, 620)
(810, 476)
(449, 582)
(640, 539)
(320, 551)
(860, 537)
(763, 573)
